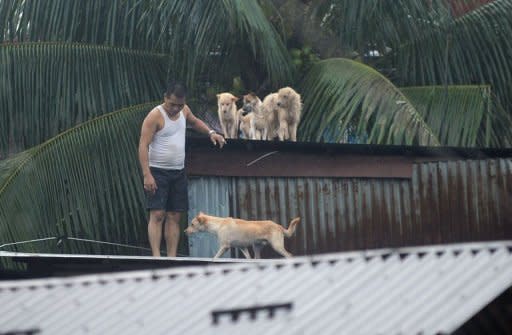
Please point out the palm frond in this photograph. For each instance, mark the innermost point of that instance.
(114, 22)
(82, 183)
(465, 116)
(50, 87)
(473, 49)
(340, 93)
(369, 24)
(205, 36)
(424, 43)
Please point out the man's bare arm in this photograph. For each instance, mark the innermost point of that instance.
(202, 127)
(149, 128)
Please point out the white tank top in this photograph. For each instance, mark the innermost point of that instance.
(167, 150)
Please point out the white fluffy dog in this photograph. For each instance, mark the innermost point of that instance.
(268, 120)
(289, 109)
(228, 115)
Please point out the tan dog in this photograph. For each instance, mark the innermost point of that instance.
(246, 124)
(228, 115)
(246, 115)
(288, 113)
(240, 233)
(268, 121)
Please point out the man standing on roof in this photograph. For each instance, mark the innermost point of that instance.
(162, 159)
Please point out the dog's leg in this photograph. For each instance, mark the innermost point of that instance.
(231, 129)
(293, 132)
(246, 253)
(234, 129)
(283, 252)
(223, 126)
(264, 136)
(283, 132)
(252, 130)
(257, 250)
(277, 243)
(221, 251)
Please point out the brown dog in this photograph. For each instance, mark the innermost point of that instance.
(246, 125)
(246, 115)
(240, 233)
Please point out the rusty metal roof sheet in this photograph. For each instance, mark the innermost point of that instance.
(427, 290)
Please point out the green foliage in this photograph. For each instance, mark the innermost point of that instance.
(205, 38)
(473, 49)
(83, 183)
(50, 87)
(462, 116)
(303, 59)
(342, 92)
(121, 23)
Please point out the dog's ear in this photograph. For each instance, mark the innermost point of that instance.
(234, 98)
(200, 218)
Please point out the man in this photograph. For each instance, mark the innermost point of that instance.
(162, 159)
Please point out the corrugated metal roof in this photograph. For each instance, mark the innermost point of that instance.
(426, 290)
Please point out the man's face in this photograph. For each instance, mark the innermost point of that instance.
(173, 104)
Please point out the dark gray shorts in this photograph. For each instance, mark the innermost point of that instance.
(172, 190)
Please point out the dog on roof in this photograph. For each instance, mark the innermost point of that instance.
(228, 116)
(232, 232)
(289, 109)
(247, 114)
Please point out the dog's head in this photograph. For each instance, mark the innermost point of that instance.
(251, 103)
(197, 224)
(226, 102)
(286, 97)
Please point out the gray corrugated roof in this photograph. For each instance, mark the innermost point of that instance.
(424, 290)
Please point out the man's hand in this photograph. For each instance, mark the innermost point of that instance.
(149, 184)
(217, 139)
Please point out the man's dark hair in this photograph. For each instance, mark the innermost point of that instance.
(178, 89)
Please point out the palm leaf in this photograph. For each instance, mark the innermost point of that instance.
(340, 93)
(82, 183)
(465, 116)
(365, 24)
(423, 44)
(50, 87)
(205, 37)
(113, 22)
(473, 49)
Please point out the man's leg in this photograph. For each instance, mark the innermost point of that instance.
(172, 232)
(156, 219)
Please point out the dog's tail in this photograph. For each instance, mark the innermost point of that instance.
(291, 228)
